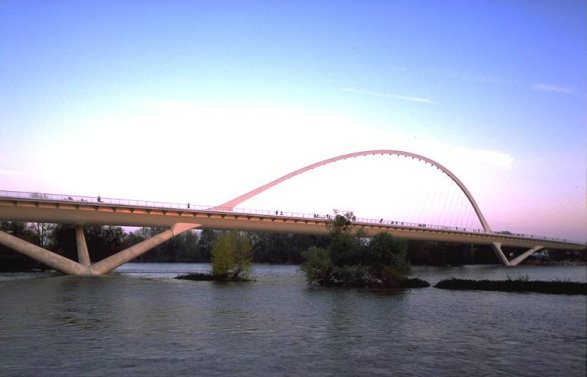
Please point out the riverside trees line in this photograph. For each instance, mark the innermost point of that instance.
(196, 246)
(189, 247)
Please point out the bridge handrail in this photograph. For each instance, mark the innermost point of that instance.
(98, 200)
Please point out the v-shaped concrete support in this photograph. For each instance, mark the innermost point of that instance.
(514, 262)
(108, 264)
(49, 258)
(84, 266)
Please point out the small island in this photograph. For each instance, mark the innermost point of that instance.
(515, 285)
(231, 259)
(197, 276)
(350, 260)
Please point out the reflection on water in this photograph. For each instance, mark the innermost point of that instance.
(141, 322)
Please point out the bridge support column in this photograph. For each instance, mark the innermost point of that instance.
(83, 256)
(51, 259)
(525, 255)
(112, 262)
(499, 253)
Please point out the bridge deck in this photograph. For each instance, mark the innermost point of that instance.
(86, 210)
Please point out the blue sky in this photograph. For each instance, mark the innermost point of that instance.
(200, 101)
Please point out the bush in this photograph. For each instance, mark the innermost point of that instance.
(318, 265)
(349, 261)
(387, 258)
(231, 256)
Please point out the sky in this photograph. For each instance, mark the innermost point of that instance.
(200, 101)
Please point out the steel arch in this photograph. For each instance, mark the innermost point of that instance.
(236, 201)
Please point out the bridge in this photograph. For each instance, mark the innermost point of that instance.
(178, 218)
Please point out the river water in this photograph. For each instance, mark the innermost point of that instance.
(139, 321)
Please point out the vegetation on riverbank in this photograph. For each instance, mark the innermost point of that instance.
(515, 285)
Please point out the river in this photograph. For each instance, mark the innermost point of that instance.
(139, 321)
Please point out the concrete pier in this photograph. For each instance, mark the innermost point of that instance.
(83, 256)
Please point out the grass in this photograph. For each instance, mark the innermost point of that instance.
(516, 285)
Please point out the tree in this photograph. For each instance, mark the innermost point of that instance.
(102, 240)
(387, 259)
(10, 260)
(43, 230)
(222, 257)
(231, 256)
(445, 254)
(341, 222)
(332, 265)
(345, 246)
(181, 248)
(243, 253)
(286, 248)
(43, 233)
(350, 261)
(62, 241)
(188, 250)
(318, 266)
(205, 243)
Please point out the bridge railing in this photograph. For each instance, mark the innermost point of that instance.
(98, 200)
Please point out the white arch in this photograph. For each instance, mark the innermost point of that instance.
(236, 201)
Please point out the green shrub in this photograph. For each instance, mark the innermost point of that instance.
(318, 265)
(231, 256)
(350, 261)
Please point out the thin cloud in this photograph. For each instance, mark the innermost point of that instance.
(414, 99)
(552, 88)
(9, 172)
(486, 79)
(386, 95)
(496, 158)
